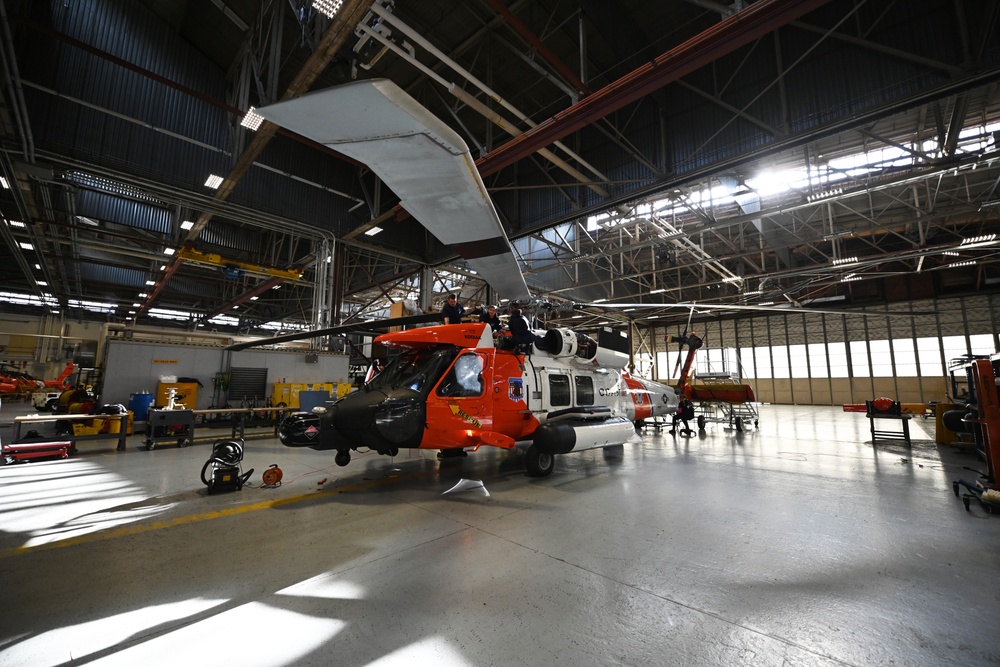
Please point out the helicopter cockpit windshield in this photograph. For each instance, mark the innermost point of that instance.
(418, 370)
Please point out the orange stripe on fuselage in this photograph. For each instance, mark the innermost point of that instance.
(640, 398)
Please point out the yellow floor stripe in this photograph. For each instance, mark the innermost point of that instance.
(136, 529)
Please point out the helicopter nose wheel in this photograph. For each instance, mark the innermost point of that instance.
(343, 458)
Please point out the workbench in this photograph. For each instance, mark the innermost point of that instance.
(16, 436)
(892, 414)
(240, 416)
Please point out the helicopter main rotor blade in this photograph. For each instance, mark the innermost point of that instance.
(375, 326)
(701, 307)
(426, 163)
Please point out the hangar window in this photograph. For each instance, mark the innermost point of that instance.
(982, 344)
(881, 358)
(748, 368)
(779, 361)
(954, 347)
(929, 354)
(584, 389)
(559, 390)
(859, 359)
(762, 359)
(798, 361)
(905, 357)
(817, 360)
(838, 360)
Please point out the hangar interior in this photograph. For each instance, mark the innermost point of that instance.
(810, 185)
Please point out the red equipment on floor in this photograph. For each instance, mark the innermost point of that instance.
(984, 418)
(35, 451)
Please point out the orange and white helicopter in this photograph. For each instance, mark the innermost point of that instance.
(458, 387)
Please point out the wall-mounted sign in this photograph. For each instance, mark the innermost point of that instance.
(164, 361)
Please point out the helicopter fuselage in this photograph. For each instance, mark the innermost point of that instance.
(457, 387)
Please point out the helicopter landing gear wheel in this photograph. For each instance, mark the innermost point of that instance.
(343, 458)
(701, 422)
(739, 425)
(539, 464)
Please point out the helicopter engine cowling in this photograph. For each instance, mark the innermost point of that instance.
(584, 350)
(562, 437)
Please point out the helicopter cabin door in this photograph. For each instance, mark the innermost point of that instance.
(459, 408)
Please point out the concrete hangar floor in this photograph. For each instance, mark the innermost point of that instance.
(795, 544)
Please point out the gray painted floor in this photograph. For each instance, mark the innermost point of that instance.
(798, 544)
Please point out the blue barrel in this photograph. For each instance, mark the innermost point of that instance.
(139, 405)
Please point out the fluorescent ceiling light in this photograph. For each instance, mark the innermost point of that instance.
(4, 183)
(373, 231)
(978, 241)
(187, 224)
(213, 181)
(252, 120)
(41, 282)
(753, 292)
(163, 267)
(150, 282)
(835, 192)
(845, 260)
(657, 291)
(38, 266)
(169, 251)
(254, 298)
(142, 295)
(968, 262)
(18, 223)
(732, 279)
(600, 300)
(825, 299)
(327, 8)
(136, 305)
(26, 246)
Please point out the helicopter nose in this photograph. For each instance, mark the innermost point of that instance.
(381, 420)
(400, 420)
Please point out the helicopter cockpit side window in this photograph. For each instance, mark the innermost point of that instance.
(415, 369)
(584, 389)
(559, 390)
(465, 378)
